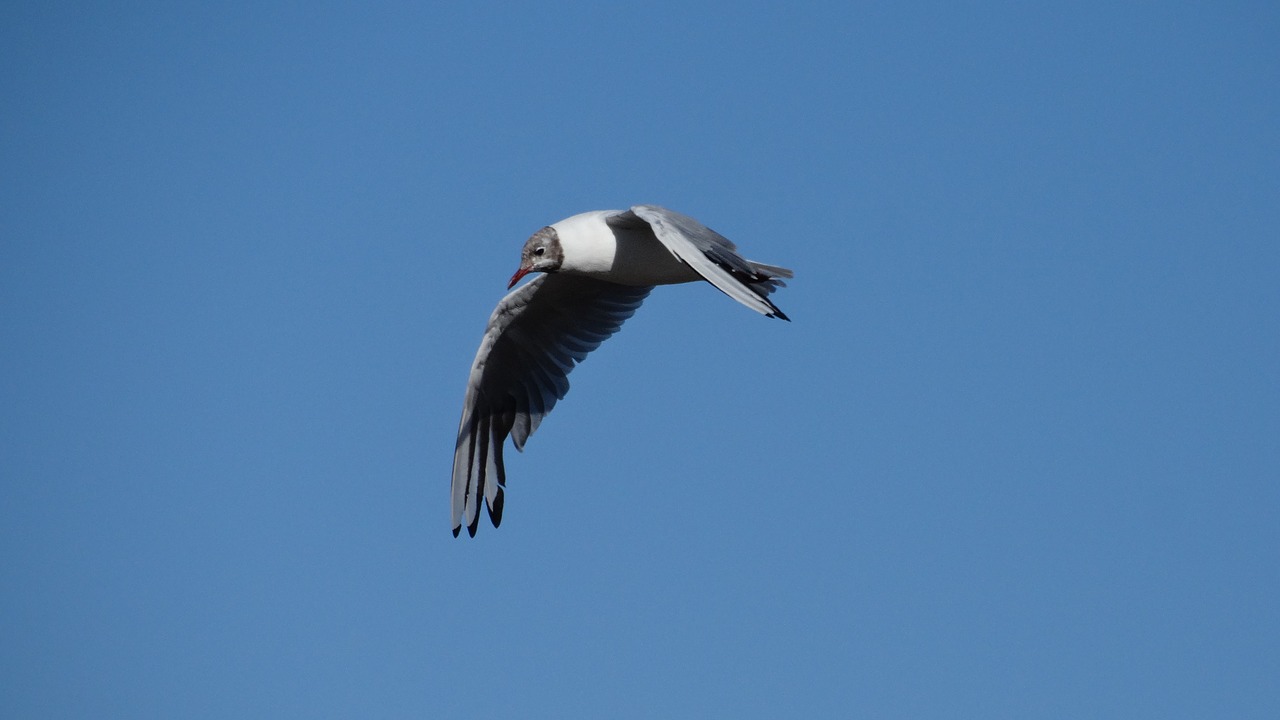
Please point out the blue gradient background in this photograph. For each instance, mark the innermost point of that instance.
(1016, 456)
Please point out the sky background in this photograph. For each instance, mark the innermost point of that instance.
(1016, 455)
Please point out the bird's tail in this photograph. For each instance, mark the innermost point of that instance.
(767, 278)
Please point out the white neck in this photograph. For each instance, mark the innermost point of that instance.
(588, 244)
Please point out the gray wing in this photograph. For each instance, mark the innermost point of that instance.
(535, 337)
(712, 256)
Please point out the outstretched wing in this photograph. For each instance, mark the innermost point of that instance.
(535, 337)
(712, 256)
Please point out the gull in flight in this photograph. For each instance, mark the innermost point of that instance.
(597, 268)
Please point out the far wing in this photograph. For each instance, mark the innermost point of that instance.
(713, 257)
(535, 337)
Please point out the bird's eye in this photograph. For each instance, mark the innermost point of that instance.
(539, 251)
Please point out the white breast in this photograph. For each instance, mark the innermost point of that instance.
(594, 249)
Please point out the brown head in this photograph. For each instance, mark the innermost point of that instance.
(541, 253)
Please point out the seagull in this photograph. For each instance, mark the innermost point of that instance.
(597, 267)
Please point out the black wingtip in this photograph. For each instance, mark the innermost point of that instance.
(495, 510)
(456, 528)
(780, 315)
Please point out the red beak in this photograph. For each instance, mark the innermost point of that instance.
(516, 278)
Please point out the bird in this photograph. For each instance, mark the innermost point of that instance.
(596, 269)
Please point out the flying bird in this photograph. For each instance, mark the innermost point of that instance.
(597, 268)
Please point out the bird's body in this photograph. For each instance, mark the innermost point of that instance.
(599, 267)
(627, 256)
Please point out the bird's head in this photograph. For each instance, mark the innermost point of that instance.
(541, 253)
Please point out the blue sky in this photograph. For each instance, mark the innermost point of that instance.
(1016, 456)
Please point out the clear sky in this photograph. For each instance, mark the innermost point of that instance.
(1016, 455)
